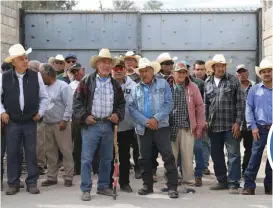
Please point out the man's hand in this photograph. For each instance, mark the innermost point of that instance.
(152, 124)
(90, 120)
(236, 130)
(36, 117)
(5, 118)
(62, 125)
(114, 118)
(198, 135)
(255, 134)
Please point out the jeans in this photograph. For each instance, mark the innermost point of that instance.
(255, 162)
(218, 140)
(199, 158)
(124, 142)
(96, 134)
(247, 142)
(25, 133)
(161, 139)
(206, 149)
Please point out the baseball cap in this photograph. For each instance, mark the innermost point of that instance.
(71, 56)
(186, 63)
(76, 66)
(179, 66)
(240, 67)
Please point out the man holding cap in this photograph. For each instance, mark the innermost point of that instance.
(150, 105)
(246, 134)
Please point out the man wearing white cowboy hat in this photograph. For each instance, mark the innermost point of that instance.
(98, 104)
(131, 62)
(150, 105)
(166, 63)
(224, 106)
(59, 66)
(23, 103)
(259, 120)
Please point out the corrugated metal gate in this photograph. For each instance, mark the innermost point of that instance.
(190, 35)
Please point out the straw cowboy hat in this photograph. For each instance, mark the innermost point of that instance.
(144, 62)
(265, 64)
(104, 53)
(165, 57)
(16, 51)
(217, 59)
(130, 54)
(59, 58)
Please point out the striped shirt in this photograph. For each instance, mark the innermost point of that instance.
(103, 98)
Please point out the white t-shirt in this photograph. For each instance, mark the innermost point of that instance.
(217, 81)
(74, 84)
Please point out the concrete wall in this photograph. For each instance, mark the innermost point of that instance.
(267, 30)
(10, 17)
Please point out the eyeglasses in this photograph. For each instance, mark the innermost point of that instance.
(118, 68)
(73, 62)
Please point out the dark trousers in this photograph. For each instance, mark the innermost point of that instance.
(124, 143)
(161, 139)
(247, 142)
(218, 140)
(255, 162)
(18, 133)
(77, 147)
(154, 158)
(3, 151)
(134, 145)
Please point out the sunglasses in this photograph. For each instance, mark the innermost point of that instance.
(73, 62)
(118, 68)
(168, 63)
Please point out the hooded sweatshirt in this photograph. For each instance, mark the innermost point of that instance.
(127, 123)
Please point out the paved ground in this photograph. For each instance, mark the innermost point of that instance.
(60, 197)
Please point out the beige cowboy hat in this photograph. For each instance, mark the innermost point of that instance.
(16, 51)
(165, 57)
(59, 57)
(104, 53)
(144, 62)
(265, 64)
(217, 59)
(130, 54)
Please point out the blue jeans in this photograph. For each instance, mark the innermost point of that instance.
(206, 150)
(199, 158)
(18, 134)
(218, 140)
(255, 162)
(96, 134)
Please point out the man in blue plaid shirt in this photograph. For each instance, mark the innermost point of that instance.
(224, 109)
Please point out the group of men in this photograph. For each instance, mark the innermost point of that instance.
(159, 107)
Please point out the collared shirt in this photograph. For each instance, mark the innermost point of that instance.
(42, 94)
(259, 106)
(103, 98)
(147, 102)
(225, 104)
(246, 90)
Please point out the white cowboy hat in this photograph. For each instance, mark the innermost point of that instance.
(144, 62)
(130, 54)
(217, 59)
(59, 57)
(16, 51)
(265, 64)
(104, 53)
(165, 57)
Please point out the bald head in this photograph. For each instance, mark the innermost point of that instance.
(34, 65)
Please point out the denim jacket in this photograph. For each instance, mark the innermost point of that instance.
(161, 99)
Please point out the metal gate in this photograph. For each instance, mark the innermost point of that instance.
(189, 35)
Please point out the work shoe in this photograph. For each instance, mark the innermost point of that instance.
(198, 182)
(219, 186)
(12, 191)
(41, 171)
(248, 191)
(67, 183)
(268, 191)
(126, 188)
(33, 190)
(154, 177)
(145, 190)
(49, 183)
(173, 194)
(206, 171)
(137, 174)
(105, 191)
(233, 189)
(85, 196)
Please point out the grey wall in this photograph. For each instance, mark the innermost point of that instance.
(188, 35)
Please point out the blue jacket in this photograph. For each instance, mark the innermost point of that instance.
(161, 100)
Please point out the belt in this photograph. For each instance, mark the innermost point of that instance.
(267, 127)
(102, 120)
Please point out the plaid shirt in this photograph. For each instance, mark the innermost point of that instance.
(225, 104)
(103, 98)
(179, 117)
